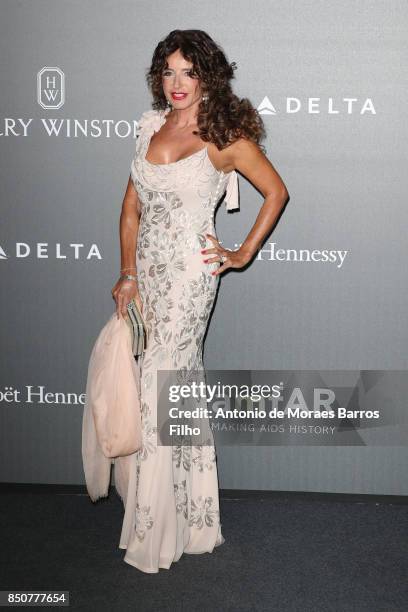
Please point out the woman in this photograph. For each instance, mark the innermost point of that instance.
(187, 152)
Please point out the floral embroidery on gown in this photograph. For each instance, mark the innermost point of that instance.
(170, 493)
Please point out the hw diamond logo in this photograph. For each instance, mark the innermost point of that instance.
(50, 87)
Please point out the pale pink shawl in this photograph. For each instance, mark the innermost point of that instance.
(111, 425)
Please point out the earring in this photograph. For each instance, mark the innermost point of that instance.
(205, 98)
(168, 103)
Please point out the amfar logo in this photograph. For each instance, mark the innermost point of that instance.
(313, 106)
(50, 87)
(41, 251)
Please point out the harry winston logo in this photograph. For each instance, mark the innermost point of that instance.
(50, 87)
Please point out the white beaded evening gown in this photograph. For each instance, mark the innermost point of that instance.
(170, 494)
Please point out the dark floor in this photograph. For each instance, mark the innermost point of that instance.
(283, 553)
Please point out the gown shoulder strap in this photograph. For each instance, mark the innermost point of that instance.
(151, 121)
(232, 195)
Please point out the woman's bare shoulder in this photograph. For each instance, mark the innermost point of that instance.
(226, 158)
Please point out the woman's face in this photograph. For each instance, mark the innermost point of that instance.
(177, 79)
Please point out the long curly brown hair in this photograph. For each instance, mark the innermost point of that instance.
(224, 117)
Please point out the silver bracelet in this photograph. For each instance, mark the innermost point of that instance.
(128, 277)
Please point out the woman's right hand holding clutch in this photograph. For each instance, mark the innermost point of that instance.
(123, 292)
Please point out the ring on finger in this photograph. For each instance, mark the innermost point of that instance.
(223, 258)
